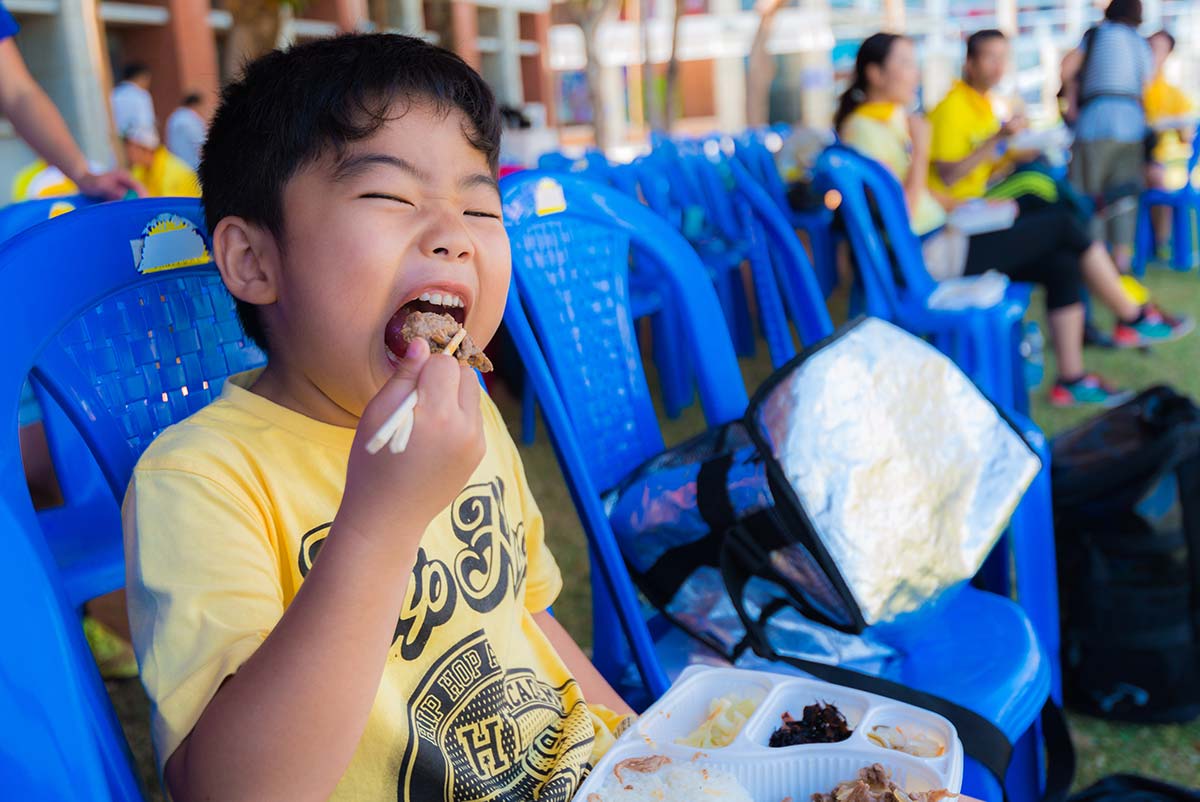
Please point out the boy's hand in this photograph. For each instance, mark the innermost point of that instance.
(388, 492)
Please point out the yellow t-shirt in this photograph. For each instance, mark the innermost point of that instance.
(880, 131)
(39, 180)
(224, 517)
(962, 122)
(167, 177)
(1162, 102)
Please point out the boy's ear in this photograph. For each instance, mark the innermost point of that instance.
(248, 258)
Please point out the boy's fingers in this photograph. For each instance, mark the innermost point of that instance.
(468, 391)
(438, 382)
(402, 382)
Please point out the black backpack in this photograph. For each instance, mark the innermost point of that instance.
(1127, 525)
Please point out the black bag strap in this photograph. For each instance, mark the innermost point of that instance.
(981, 738)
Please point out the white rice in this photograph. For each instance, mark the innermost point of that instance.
(675, 781)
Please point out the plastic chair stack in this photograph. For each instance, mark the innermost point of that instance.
(569, 316)
(1184, 204)
(753, 151)
(121, 344)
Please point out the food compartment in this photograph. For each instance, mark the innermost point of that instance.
(822, 724)
(795, 773)
(910, 731)
(689, 706)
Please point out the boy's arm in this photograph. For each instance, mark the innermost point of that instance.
(286, 725)
(596, 689)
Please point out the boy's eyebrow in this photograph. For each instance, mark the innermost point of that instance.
(478, 180)
(358, 164)
(355, 166)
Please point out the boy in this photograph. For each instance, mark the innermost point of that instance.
(313, 621)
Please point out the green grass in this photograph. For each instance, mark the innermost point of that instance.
(1167, 752)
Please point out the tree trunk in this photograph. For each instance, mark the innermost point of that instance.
(255, 31)
(671, 109)
(761, 68)
(379, 13)
(595, 76)
(650, 98)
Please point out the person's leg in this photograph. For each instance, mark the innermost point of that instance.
(1086, 173)
(1160, 216)
(1066, 337)
(1124, 168)
(1104, 282)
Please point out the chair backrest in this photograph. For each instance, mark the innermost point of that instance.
(793, 268)
(17, 217)
(117, 312)
(887, 251)
(571, 267)
(752, 151)
(569, 316)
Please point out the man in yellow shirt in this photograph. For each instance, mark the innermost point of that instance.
(161, 172)
(969, 142)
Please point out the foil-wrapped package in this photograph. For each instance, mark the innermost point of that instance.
(868, 476)
(906, 472)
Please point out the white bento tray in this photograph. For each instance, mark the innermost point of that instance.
(771, 774)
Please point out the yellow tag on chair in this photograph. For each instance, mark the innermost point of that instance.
(548, 197)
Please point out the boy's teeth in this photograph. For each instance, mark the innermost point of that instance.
(438, 299)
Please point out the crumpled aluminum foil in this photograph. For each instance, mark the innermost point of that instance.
(907, 472)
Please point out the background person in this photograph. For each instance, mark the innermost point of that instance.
(186, 130)
(132, 104)
(1044, 248)
(1104, 81)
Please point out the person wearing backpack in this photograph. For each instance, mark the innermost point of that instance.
(1104, 81)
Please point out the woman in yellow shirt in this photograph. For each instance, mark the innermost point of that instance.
(1049, 248)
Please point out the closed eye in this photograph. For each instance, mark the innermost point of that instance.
(482, 214)
(385, 196)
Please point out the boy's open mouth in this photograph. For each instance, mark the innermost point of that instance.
(445, 303)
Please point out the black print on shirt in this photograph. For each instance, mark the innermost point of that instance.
(489, 566)
(480, 732)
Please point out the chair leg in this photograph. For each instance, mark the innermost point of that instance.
(743, 331)
(1144, 243)
(1182, 251)
(674, 372)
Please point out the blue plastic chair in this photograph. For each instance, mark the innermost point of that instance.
(646, 298)
(1184, 204)
(121, 355)
(678, 194)
(17, 217)
(752, 151)
(745, 216)
(569, 317)
(984, 343)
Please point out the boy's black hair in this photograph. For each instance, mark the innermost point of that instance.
(979, 38)
(291, 107)
(134, 69)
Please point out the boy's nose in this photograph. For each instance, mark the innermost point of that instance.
(447, 238)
